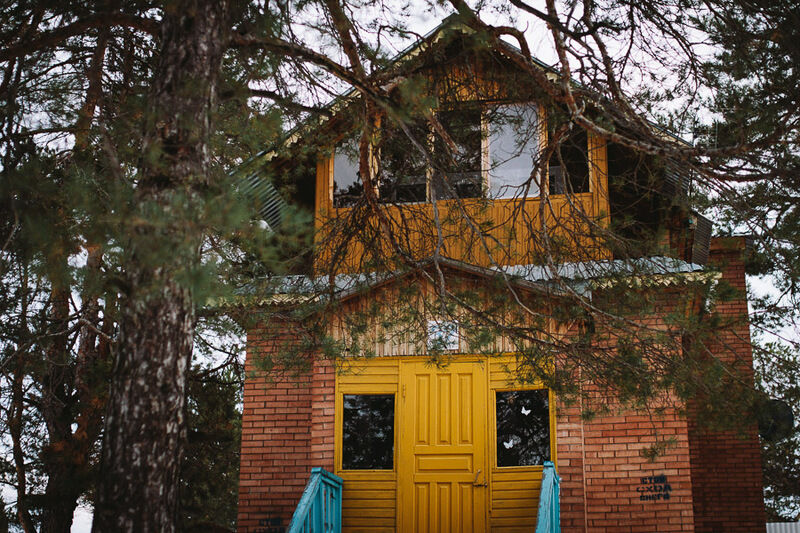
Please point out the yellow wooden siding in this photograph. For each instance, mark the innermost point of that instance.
(396, 337)
(369, 505)
(510, 231)
(515, 499)
(370, 498)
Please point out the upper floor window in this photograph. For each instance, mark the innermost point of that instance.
(403, 171)
(459, 165)
(490, 152)
(513, 150)
(347, 187)
(446, 169)
(568, 167)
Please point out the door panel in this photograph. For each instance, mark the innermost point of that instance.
(443, 463)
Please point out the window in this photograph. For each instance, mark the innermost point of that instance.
(523, 427)
(368, 432)
(513, 150)
(406, 175)
(347, 187)
(569, 164)
(462, 167)
(442, 335)
(404, 171)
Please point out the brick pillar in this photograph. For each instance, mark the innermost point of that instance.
(570, 456)
(322, 413)
(726, 466)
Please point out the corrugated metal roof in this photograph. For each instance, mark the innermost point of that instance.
(581, 277)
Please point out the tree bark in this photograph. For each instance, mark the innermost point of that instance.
(144, 425)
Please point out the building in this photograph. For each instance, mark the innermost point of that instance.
(460, 445)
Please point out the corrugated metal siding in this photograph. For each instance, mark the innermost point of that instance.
(702, 239)
(271, 205)
(676, 181)
(783, 527)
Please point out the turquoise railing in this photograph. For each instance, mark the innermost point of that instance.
(320, 507)
(548, 519)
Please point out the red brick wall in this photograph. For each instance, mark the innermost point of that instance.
(726, 466)
(570, 456)
(715, 477)
(625, 491)
(602, 467)
(608, 483)
(287, 428)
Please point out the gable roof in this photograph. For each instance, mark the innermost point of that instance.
(272, 206)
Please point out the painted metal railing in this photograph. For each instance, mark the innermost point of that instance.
(320, 507)
(548, 519)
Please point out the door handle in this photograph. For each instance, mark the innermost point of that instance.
(475, 481)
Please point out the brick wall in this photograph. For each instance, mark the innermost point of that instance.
(570, 456)
(287, 429)
(626, 491)
(726, 466)
(608, 484)
(714, 478)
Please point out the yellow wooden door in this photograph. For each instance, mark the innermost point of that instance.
(442, 462)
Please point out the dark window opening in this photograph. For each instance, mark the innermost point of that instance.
(523, 428)
(347, 187)
(368, 432)
(403, 169)
(462, 167)
(569, 164)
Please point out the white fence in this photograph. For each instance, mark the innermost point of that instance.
(783, 527)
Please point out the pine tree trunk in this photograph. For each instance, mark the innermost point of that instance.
(144, 425)
(61, 501)
(145, 418)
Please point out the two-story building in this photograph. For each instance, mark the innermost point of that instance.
(494, 302)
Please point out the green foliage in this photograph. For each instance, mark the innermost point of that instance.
(76, 184)
(210, 468)
(776, 367)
